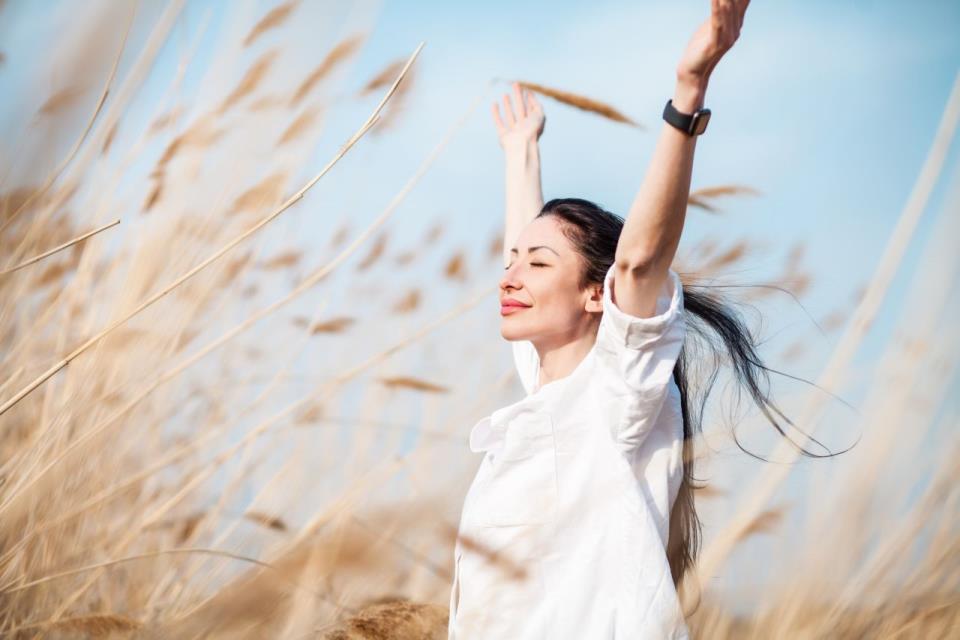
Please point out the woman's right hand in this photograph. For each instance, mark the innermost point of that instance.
(520, 126)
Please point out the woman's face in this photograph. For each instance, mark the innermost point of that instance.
(543, 274)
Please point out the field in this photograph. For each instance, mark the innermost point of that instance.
(231, 409)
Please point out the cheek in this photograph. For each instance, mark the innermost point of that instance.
(557, 308)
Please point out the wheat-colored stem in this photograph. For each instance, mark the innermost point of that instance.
(86, 131)
(230, 245)
(308, 283)
(856, 329)
(139, 556)
(61, 247)
(263, 426)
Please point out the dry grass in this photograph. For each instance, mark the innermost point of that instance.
(335, 325)
(408, 382)
(400, 104)
(337, 56)
(582, 102)
(304, 122)
(283, 260)
(408, 302)
(63, 99)
(374, 253)
(273, 19)
(702, 198)
(456, 267)
(268, 192)
(176, 454)
(251, 80)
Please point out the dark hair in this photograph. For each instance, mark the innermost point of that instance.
(716, 326)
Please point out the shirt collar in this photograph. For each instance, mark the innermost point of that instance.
(490, 432)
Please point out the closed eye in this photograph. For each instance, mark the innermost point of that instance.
(532, 264)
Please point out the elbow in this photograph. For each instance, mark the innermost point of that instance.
(637, 263)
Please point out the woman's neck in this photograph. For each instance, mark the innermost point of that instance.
(557, 362)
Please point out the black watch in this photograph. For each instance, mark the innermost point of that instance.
(691, 124)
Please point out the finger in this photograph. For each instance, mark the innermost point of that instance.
(521, 103)
(736, 13)
(720, 21)
(729, 17)
(743, 11)
(508, 111)
(736, 19)
(497, 121)
(727, 9)
(532, 104)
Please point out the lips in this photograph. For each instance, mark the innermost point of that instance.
(510, 305)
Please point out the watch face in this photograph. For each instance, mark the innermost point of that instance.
(700, 120)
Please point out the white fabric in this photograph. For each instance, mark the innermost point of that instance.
(563, 531)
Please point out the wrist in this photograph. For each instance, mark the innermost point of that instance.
(689, 93)
(525, 150)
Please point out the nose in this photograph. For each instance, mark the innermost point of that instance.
(509, 279)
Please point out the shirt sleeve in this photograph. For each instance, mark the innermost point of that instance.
(642, 353)
(527, 360)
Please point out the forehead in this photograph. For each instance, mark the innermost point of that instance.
(545, 230)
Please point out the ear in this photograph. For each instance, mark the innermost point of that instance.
(594, 303)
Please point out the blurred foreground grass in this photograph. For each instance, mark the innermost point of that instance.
(196, 440)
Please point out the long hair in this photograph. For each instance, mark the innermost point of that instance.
(718, 334)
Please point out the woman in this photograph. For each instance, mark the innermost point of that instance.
(580, 521)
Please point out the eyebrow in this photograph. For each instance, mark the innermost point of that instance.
(532, 249)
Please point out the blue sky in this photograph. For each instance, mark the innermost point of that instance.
(827, 108)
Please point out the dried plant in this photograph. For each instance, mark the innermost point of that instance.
(702, 197)
(374, 254)
(298, 127)
(401, 620)
(495, 248)
(265, 193)
(61, 100)
(273, 19)
(383, 78)
(455, 267)
(283, 260)
(165, 120)
(340, 236)
(399, 105)
(410, 301)
(334, 325)
(408, 382)
(337, 55)
(271, 522)
(764, 522)
(434, 233)
(404, 258)
(251, 81)
(581, 102)
(184, 475)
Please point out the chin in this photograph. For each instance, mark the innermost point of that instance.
(510, 333)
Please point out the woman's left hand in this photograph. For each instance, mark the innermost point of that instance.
(711, 40)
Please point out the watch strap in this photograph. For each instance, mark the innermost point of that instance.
(690, 123)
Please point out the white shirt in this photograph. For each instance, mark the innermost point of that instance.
(564, 529)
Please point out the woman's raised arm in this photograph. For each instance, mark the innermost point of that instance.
(651, 231)
(519, 132)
